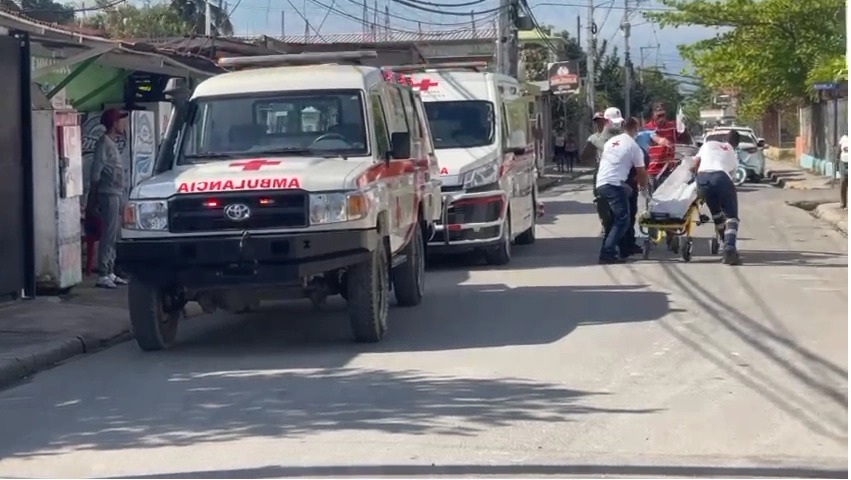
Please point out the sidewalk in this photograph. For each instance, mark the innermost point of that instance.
(821, 203)
(37, 334)
(552, 178)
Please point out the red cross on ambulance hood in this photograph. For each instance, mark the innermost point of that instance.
(255, 173)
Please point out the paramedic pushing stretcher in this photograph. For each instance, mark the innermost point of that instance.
(714, 163)
(620, 155)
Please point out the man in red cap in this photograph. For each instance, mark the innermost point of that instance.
(106, 195)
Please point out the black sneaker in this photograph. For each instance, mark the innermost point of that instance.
(731, 257)
(611, 260)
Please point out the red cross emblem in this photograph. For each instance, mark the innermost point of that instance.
(615, 144)
(254, 165)
(724, 147)
(424, 84)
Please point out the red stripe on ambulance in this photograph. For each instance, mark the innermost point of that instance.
(200, 186)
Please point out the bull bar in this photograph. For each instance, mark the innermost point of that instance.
(449, 199)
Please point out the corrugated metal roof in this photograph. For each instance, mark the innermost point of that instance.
(394, 36)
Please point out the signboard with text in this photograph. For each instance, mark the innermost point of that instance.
(563, 77)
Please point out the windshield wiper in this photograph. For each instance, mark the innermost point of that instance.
(209, 155)
(303, 151)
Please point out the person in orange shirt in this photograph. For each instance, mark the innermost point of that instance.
(662, 155)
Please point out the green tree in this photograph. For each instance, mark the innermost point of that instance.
(768, 49)
(128, 21)
(44, 10)
(193, 13)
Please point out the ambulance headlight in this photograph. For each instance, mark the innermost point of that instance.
(484, 175)
(146, 215)
(337, 207)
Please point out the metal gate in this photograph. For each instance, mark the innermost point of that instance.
(12, 135)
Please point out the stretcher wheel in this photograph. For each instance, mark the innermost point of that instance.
(645, 249)
(714, 246)
(686, 245)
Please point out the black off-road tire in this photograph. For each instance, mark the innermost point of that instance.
(409, 277)
(529, 236)
(154, 322)
(500, 254)
(368, 292)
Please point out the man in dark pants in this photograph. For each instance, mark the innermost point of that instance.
(620, 155)
(607, 124)
(715, 161)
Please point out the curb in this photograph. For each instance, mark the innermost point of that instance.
(41, 358)
(780, 181)
(48, 355)
(546, 183)
(828, 213)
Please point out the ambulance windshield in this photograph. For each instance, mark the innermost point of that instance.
(461, 124)
(326, 122)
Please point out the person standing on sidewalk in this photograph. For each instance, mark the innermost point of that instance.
(715, 163)
(558, 151)
(106, 196)
(620, 155)
(843, 171)
(571, 152)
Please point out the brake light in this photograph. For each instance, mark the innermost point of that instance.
(211, 203)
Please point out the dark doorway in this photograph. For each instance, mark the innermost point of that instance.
(12, 182)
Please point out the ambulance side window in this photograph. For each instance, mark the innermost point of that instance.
(400, 118)
(382, 139)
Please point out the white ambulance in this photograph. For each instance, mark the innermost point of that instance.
(480, 123)
(281, 182)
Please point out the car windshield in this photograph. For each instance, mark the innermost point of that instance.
(722, 137)
(326, 122)
(461, 124)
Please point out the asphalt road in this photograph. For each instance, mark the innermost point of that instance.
(554, 365)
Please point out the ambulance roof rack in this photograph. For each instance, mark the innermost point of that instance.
(474, 66)
(259, 61)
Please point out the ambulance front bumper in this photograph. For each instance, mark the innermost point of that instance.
(470, 220)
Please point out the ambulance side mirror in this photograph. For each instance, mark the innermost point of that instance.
(400, 143)
(760, 142)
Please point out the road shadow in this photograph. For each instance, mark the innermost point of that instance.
(193, 406)
(466, 316)
(785, 258)
(546, 252)
(557, 208)
(516, 470)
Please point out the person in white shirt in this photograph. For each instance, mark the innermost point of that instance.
(620, 155)
(715, 163)
(843, 171)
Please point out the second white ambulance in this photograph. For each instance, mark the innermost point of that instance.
(479, 121)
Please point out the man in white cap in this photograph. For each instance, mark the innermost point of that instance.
(622, 158)
(608, 125)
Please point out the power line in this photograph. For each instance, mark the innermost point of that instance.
(411, 20)
(432, 10)
(349, 16)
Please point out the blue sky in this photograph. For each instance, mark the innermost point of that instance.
(257, 17)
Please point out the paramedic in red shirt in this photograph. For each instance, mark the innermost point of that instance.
(663, 153)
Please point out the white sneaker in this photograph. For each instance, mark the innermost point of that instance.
(117, 280)
(106, 282)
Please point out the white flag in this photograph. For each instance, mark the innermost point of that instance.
(681, 120)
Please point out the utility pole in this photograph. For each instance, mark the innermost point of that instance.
(365, 19)
(386, 22)
(579, 30)
(592, 54)
(513, 41)
(502, 33)
(208, 19)
(283, 26)
(499, 55)
(627, 63)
